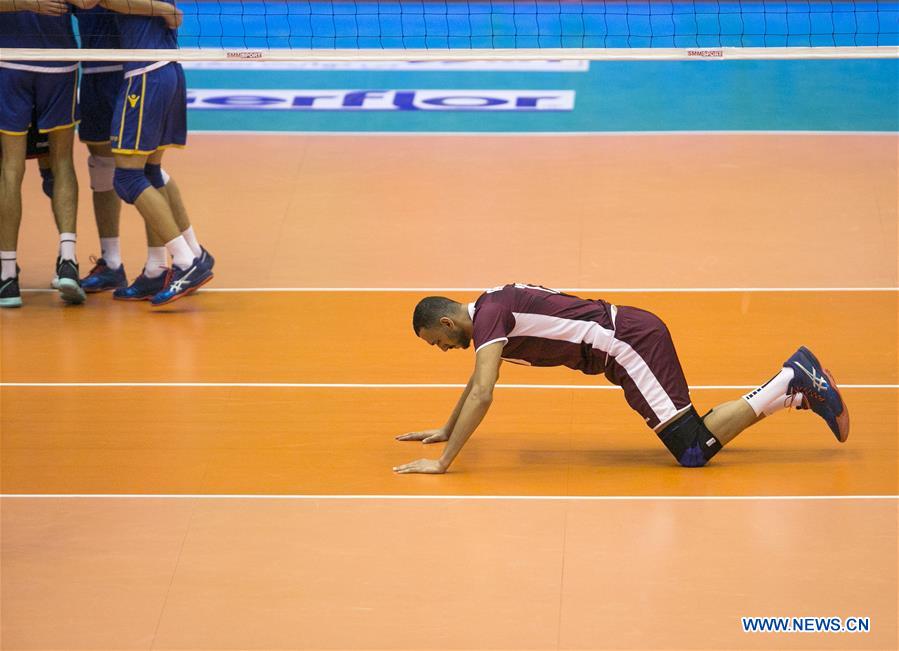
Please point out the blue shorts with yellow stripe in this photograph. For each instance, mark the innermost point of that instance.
(97, 100)
(50, 96)
(151, 112)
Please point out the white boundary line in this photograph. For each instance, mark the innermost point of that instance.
(374, 385)
(722, 132)
(472, 498)
(593, 290)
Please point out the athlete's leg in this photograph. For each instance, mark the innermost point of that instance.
(107, 204)
(65, 187)
(132, 186)
(802, 383)
(729, 419)
(170, 190)
(12, 171)
(108, 272)
(65, 211)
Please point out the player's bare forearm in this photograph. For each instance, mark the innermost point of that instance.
(45, 7)
(454, 417)
(470, 416)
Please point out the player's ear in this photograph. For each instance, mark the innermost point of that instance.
(447, 322)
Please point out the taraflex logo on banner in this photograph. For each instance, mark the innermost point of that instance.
(382, 100)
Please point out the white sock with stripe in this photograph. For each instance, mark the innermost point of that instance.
(765, 399)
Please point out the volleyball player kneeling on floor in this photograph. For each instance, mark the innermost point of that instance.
(535, 326)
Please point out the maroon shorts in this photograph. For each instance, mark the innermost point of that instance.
(643, 362)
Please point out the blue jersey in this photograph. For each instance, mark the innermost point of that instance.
(145, 33)
(99, 30)
(31, 30)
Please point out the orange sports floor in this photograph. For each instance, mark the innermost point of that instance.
(216, 475)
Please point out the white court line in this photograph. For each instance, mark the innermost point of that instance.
(376, 385)
(472, 498)
(542, 133)
(594, 290)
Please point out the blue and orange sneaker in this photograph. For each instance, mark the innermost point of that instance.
(819, 391)
(142, 289)
(181, 282)
(103, 278)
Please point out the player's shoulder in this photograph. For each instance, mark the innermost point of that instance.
(498, 299)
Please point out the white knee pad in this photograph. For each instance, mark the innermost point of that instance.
(102, 171)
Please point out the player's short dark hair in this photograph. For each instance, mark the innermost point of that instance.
(430, 310)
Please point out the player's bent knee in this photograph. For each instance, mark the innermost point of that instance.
(129, 184)
(690, 441)
(102, 173)
(158, 178)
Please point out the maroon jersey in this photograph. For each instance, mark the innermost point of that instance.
(544, 327)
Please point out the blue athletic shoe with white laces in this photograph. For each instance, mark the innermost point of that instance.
(142, 289)
(819, 391)
(102, 277)
(181, 282)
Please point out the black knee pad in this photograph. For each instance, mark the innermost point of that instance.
(689, 440)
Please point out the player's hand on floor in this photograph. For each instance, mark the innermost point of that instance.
(424, 466)
(427, 436)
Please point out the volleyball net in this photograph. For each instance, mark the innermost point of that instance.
(570, 29)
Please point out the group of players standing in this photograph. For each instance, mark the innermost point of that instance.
(129, 114)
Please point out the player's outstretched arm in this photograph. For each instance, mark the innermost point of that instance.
(45, 7)
(474, 408)
(168, 12)
(440, 434)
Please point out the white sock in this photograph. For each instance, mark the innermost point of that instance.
(192, 241)
(7, 264)
(109, 251)
(182, 256)
(783, 402)
(67, 246)
(156, 261)
(770, 392)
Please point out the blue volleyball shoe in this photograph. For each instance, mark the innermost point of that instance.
(819, 391)
(181, 282)
(142, 289)
(102, 277)
(68, 283)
